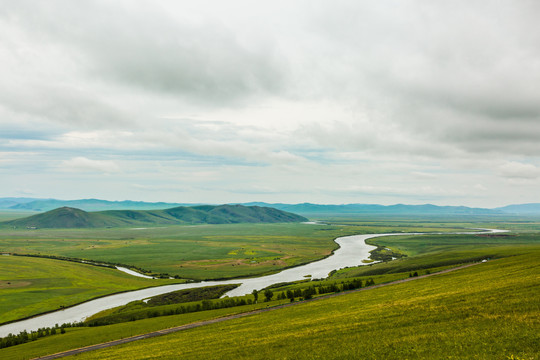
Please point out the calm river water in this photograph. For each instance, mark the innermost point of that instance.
(352, 251)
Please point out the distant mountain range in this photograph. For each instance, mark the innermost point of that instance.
(41, 205)
(67, 217)
(30, 204)
(308, 209)
(372, 209)
(522, 209)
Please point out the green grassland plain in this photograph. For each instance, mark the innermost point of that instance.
(200, 252)
(12, 215)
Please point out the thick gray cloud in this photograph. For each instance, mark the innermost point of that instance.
(145, 46)
(353, 101)
(466, 74)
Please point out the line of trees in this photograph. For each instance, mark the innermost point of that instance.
(184, 309)
(309, 292)
(25, 336)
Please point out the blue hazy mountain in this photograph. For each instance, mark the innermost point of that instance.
(521, 209)
(83, 204)
(41, 205)
(374, 209)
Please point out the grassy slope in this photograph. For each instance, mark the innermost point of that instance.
(487, 311)
(29, 286)
(84, 336)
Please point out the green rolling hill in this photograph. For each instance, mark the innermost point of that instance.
(67, 217)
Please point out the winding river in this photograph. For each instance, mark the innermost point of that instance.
(353, 249)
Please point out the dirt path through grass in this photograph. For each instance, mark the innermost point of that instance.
(230, 317)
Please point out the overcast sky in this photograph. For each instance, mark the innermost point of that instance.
(279, 101)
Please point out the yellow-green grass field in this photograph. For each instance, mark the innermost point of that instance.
(30, 286)
(488, 311)
(84, 336)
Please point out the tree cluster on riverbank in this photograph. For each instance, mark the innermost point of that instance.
(25, 336)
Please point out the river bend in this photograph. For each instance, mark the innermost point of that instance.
(353, 249)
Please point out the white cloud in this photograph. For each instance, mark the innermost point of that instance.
(418, 101)
(480, 187)
(82, 164)
(423, 175)
(25, 192)
(518, 170)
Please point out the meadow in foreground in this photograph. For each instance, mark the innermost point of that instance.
(488, 311)
(445, 299)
